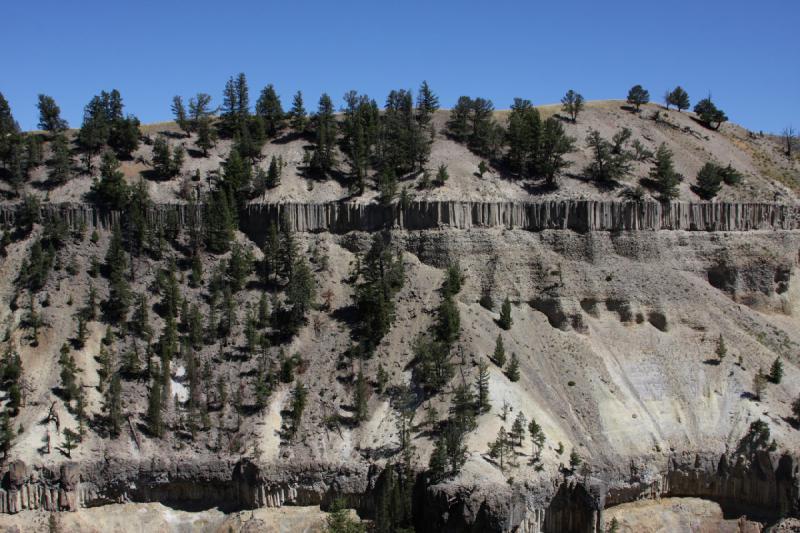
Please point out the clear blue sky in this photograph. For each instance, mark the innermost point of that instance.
(746, 53)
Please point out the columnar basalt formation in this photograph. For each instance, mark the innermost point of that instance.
(575, 215)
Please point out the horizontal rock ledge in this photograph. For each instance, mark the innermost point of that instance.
(342, 217)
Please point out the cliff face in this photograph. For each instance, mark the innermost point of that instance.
(575, 215)
(579, 215)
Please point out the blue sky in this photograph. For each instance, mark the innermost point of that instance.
(747, 54)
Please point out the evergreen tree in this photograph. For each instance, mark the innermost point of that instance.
(482, 386)
(442, 175)
(709, 114)
(610, 161)
(638, 96)
(575, 460)
(537, 438)
(219, 222)
(380, 276)
(433, 367)
(7, 435)
(111, 190)
(269, 108)
(179, 112)
(297, 116)
(518, 428)
(60, 163)
(300, 294)
(155, 420)
(677, 97)
(513, 368)
(663, 173)
(119, 293)
(339, 520)
(448, 325)
(323, 159)
(506, 321)
(50, 115)
(721, 350)
(709, 181)
(502, 448)
(299, 401)
(458, 125)
(499, 355)
(69, 370)
(453, 280)
(759, 383)
(206, 136)
(483, 126)
(71, 440)
(462, 411)
(427, 104)
(776, 371)
(166, 163)
(9, 132)
(199, 109)
(572, 104)
(554, 144)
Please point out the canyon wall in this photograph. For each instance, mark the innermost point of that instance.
(765, 485)
(342, 217)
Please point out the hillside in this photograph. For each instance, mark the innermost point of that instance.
(768, 176)
(301, 367)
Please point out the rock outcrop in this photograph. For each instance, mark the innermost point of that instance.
(575, 215)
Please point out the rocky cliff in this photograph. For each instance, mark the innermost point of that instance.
(764, 485)
(575, 215)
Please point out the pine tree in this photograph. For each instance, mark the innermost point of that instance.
(179, 112)
(501, 448)
(572, 104)
(505, 321)
(442, 175)
(50, 115)
(759, 383)
(59, 165)
(776, 371)
(499, 355)
(482, 386)
(69, 385)
(6, 434)
(269, 108)
(448, 321)
(537, 438)
(709, 181)
(458, 125)
(300, 294)
(219, 222)
(427, 104)
(663, 173)
(297, 115)
(513, 368)
(71, 440)
(709, 114)
(438, 463)
(206, 135)
(575, 460)
(155, 421)
(111, 190)
(518, 428)
(677, 97)
(638, 96)
(273, 174)
(721, 351)
(299, 401)
(323, 159)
